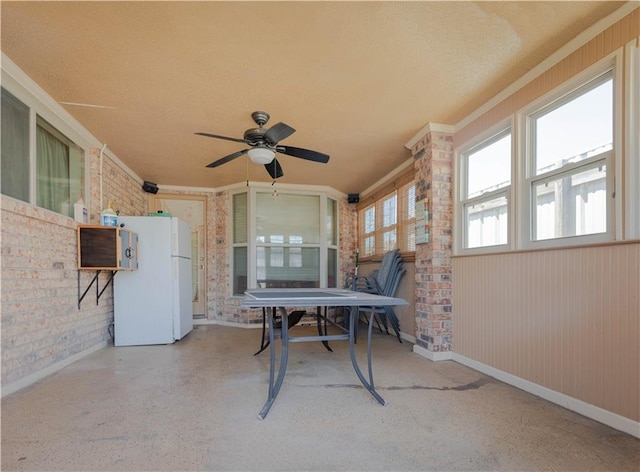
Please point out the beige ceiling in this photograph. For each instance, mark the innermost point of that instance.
(356, 80)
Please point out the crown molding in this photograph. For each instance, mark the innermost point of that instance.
(428, 129)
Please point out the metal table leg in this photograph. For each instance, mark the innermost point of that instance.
(263, 344)
(276, 383)
(352, 338)
(319, 324)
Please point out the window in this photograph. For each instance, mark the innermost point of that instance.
(58, 175)
(549, 181)
(572, 143)
(289, 247)
(240, 208)
(15, 147)
(59, 170)
(387, 220)
(485, 191)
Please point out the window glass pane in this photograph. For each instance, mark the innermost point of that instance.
(239, 270)
(52, 173)
(411, 201)
(59, 170)
(240, 218)
(489, 168)
(295, 256)
(571, 205)
(369, 246)
(279, 239)
(410, 236)
(406, 229)
(370, 220)
(576, 130)
(486, 222)
(332, 268)
(276, 256)
(332, 225)
(289, 216)
(389, 213)
(300, 268)
(15, 147)
(389, 240)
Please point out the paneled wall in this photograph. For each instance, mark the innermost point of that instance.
(568, 320)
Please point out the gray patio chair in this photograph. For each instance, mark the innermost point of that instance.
(383, 281)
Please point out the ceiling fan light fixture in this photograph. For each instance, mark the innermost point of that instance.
(261, 155)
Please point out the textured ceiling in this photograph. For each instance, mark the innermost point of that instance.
(356, 80)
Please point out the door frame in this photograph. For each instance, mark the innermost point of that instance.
(154, 205)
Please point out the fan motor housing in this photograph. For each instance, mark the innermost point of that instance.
(255, 135)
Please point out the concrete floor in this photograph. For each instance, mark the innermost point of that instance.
(193, 406)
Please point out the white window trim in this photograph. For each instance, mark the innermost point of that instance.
(623, 211)
(25, 89)
(632, 145)
(41, 104)
(252, 188)
(523, 183)
(494, 133)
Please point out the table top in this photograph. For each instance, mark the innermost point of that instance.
(288, 297)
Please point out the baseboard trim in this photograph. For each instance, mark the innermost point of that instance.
(205, 322)
(431, 355)
(407, 337)
(601, 415)
(41, 374)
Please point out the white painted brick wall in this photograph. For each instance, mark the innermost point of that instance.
(41, 322)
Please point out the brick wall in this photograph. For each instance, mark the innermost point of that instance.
(348, 238)
(434, 171)
(220, 304)
(41, 323)
(124, 191)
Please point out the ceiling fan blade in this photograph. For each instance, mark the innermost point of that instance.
(274, 169)
(228, 158)
(278, 132)
(303, 154)
(237, 140)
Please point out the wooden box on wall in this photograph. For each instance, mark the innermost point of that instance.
(107, 248)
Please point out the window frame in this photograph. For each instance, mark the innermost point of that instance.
(403, 220)
(631, 178)
(324, 245)
(575, 87)
(42, 107)
(462, 201)
(521, 202)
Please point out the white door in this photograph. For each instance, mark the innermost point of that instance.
(183, 316)
(198, 271)
(192, 209)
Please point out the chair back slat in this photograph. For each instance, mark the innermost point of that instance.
(383, 281)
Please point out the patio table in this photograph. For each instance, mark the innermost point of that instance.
(321, 297)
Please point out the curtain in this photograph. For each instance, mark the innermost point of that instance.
(52, 173)
(15, 147)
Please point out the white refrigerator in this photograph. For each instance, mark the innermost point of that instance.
(153, 305)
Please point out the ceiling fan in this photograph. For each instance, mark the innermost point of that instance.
(264, 145)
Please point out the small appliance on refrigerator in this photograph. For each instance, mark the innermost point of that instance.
(153, 305)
